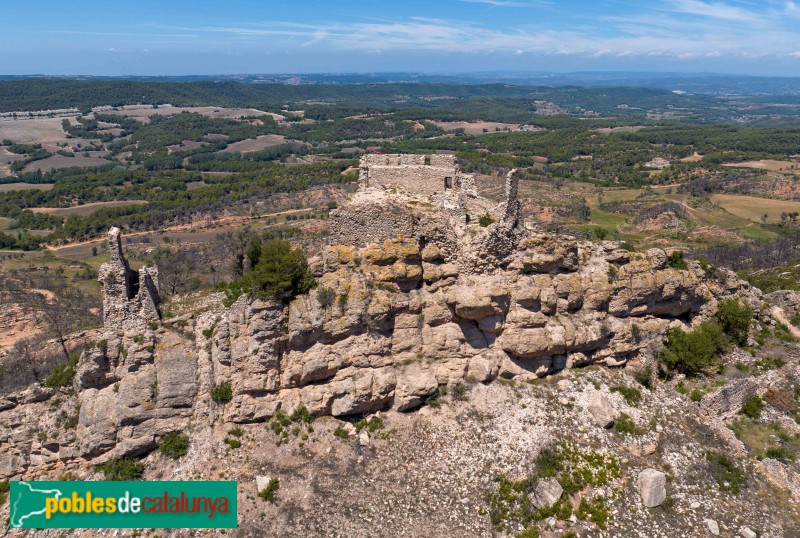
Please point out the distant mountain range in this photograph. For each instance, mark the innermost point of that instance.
(697, 83)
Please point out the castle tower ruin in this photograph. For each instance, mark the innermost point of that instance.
(130, 298)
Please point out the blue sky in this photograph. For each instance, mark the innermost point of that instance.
(179, 37)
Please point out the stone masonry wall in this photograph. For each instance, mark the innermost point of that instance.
(427, 175)
(130, 299)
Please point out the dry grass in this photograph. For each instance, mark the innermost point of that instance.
(259, 143)
(752, 207)
(36, 130)
(85, 209)
(59, 161)
(696, 157)
(5, 187)
(791, 167)
(623, 129)
(144, 112)
(477, 127)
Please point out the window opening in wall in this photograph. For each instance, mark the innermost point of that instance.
(448, 183)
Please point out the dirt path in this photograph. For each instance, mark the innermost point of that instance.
(780, 315)
(221, 223)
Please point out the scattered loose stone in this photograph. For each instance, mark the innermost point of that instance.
(713, 528)
(746, 532)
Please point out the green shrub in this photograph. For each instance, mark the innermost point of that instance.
(121, 469)
(372, 425)
(734, 318)
(625, 424)
(644, 376)
(769, 363)
(222, 393)
(326, 296)
(783, 333)
(530, 532)
(632, 395)
(548, 462)
(270, 493)
(301, 414)
(485, 220)
(460, 392)
(4, 487)
(676, 261)
(174, 445)
(780, 453)
(62, 375)
(341, 433)
(696, 395)
(753, 406)
(729, 477)
(236, 431)
(636, 331)
(595, 511)
(281, 273)
(233, 443)
(694, 353)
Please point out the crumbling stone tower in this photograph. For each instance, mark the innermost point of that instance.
(130, 299)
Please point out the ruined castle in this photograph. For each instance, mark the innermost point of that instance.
(429, 200)
(130, 298)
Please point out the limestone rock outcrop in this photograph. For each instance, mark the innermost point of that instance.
(451, 302)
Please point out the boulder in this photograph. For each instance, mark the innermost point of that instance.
(546, 493)
(601, 411)
(652, 486)
(746, 532)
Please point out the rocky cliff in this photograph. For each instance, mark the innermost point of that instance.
(397, 320)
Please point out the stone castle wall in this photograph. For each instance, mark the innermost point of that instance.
(130, 299)
(426, 175)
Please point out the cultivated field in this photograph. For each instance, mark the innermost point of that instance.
(37, 130)
(479, 126)
(186, 145)
(59, 161)
(258, 143)
(771, 165)
(5, 187)
(144, 112)
(752, 207)
(623, 129)
(85, 209)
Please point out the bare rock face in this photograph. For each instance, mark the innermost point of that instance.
(652, 486)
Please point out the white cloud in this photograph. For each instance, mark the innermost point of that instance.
(681, 29)
(795, 54)
(714, 10)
